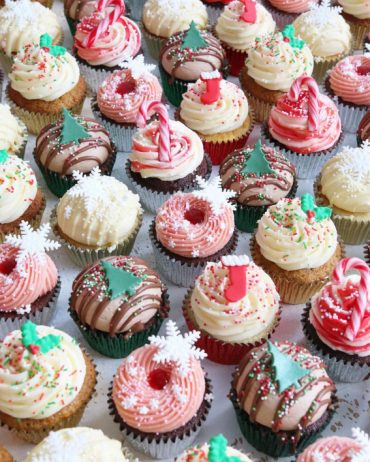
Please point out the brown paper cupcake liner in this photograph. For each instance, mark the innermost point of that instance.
(35, 430)
(83, 256)
(219, 351)
(22, 148)
(358, 33)
(341, 367)
(164, 445)
(323, 65)
(261, 108)
(291, 292)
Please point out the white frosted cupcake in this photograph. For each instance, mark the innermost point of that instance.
(13, 133)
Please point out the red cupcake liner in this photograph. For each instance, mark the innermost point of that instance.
(219, 150)
(236, 59)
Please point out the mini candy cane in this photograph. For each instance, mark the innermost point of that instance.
(362, 301)
(237, 266)
(313, 98)
(147, 109)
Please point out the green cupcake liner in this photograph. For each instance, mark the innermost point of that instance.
(119, 346)
(153, 43)
(173, 90)
(72, 24)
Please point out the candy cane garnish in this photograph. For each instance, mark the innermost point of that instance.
(313, 99)
(237, 266)
(362, 301)
(147, 109)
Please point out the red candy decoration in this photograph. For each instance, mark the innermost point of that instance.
(7, 266)
(194, 216)
(213, 81)
(250, 12)
(34, 349)
(159, 378)
(363, 69)
(237, 266)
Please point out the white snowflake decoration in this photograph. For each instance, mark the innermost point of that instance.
(213, 193)
(363, 439)
(57, 448)
(322, 14)
(355, 163)
(24, 310)
(87, 188)
(137, 66)
(31, 242)
(24, 12)
(154, 404)
(209, 397)
(177, 348)
(68, 212)
(129, 402)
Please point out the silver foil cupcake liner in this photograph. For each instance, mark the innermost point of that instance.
(94, 76)
(41, 317)
(83, 256)
(136, 8)
(151, 199)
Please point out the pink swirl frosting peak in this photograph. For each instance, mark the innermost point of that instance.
(333, 448)
(20, 287)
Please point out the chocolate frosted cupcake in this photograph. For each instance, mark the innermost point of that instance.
(185, 56)
(260, 177)
(72, 144)
(118, 303)
(160, 395)
(282, 397)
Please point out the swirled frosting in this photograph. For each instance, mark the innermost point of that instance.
(345, 181)
(22, 22)
(37, 74)
(122, 41)
(332, 448)
(121, 95)
(127, 313)
(288, 238)
(245, 321)
(295, 408)
(98, 211)
(85, 444)
(186, 152)
(239, 34)
(164, 18)
(292, 6)
(83, 156)
(26, 282)
(200, 454)
(78, 9)
(348, 81)
(358, 8)
(154, 410)
(18, 188)
(327, 34)
(288, 124)
(274, 64)
(36, 386)
(228, 113)
(178, 231)
(12, 134)
(256, 190)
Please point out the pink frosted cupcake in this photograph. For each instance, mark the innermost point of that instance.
(103, 41)
(286, 11)
(348, 84)
(305, 125)
(120, 97)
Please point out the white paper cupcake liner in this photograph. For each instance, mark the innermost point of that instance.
(136, 8)
(41, 317)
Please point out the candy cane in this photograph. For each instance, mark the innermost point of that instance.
(147, 109)
(362, 301)
(313, 98)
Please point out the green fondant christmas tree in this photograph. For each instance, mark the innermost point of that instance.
(34, 343)
(72, 130)
(256, 162)
(193, 39)
(3, 156)
(287, 372)
(218, 450)
(120, 281)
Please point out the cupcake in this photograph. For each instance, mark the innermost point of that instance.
(103, 41)
(305, 125)
(327, 34)
(29, 281)
(13, 133)
(296, 243)
(235, 306)
(118, 303)
(44, 80)
(271, 68)
(166, 157)
(363, 131)
(260, 177)
(357, 13)
(161, 20)
(5, 455)
(348, 84)
(338, 448)
(80, 443)
(46, 381)
(97, 218)
(282, 397)
(75, 10)
(191, 230)
(344, 185)
(218, 111)
(72, 144)
(22, 22)
(47, 3)
(285, 12)
(336, 322)
(20, 197)
(216, 450)
(160, 396)
(185, 56)
(240, 24)
(120, 96)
